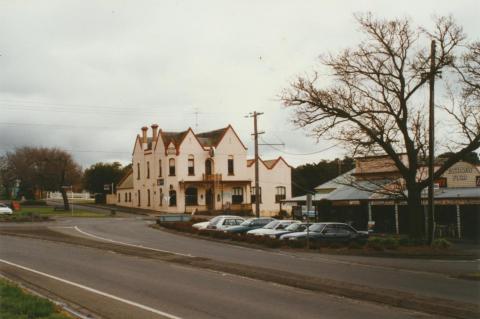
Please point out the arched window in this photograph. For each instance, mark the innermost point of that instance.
(280, 194)
(191, 196)
(138, 195)
(173, 198)
(171, 167)
(191, 165)
(148, 197)
(230, 165)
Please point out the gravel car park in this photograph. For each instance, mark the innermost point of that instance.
(292, 228)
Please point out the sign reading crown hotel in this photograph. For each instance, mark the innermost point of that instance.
(462, 174)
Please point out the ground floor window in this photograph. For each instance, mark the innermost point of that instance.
(253, 194)
(281, 193)
(138, 195)
(148, 197)
(130, 197)
(191, 196)
(237, 196)
(119, 197)
(126, 197)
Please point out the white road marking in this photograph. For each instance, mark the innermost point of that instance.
(127, 244)
(98, 292)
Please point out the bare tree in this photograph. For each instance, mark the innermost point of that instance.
(41, 169)
(375, 99)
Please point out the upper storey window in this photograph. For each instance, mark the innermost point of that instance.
(230, 165)
(171, 167)
(191, 165)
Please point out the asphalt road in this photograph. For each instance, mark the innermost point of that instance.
(425, 277)
(119, 286)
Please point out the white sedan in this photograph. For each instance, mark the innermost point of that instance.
(224, 222)
(272, 227)
(203, 225)
(4, 209)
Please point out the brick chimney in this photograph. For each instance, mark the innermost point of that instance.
(144, 135)
(154, 132)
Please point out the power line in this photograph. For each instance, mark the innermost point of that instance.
(299, 154)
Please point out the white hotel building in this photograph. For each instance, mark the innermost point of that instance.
(178, 172)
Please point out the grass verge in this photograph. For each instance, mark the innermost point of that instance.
(35, 214)
(16, 303)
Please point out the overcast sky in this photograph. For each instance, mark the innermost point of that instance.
(87, 75)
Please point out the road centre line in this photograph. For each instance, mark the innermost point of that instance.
(127, 244)
(98, 292)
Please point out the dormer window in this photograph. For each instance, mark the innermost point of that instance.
(191, 165)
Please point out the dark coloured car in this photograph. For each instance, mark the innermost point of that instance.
(329, 233)
(249, 224)
(293, 228)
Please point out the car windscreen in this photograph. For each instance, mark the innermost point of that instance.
(271, 224)
(316, 227)
(295, 227)
(214, 220)
(247, 222)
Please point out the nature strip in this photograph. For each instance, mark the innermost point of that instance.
(389, 297)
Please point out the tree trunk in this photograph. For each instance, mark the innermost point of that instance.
(66, 204)
(416, 217)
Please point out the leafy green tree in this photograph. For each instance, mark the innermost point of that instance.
(306, 177)
(100, 174)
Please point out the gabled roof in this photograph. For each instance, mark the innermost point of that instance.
(127, 181)
(211, 138)
(269, 164)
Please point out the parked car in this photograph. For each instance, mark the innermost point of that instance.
(329, 232)
(249, 224)
(272, 227)
(4, 209)
(292, 228)
(224, 222)
(203, 225)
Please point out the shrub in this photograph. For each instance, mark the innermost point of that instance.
(355, 245)
(296, 243)
(441, 243)
(390, 243)
(375, 243)
(33, 202)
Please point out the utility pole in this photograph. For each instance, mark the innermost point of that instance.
(431, 145)
(255, 135)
